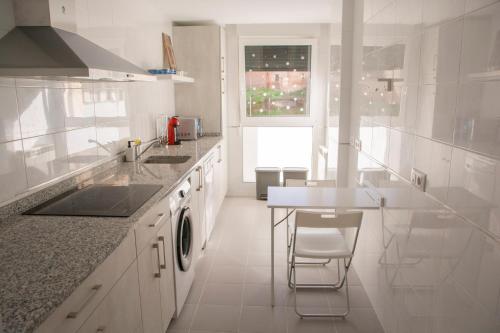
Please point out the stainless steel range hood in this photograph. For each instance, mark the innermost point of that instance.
(44, 51)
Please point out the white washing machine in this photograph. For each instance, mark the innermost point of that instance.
(183, 233)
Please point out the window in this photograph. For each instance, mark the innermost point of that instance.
(275, 147)
(277, 79)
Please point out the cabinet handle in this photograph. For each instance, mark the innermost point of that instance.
(160, 216)
(220, 154)
(101, 329)
(164, 266)
(155, 246)
(93, 292)
(200, 178)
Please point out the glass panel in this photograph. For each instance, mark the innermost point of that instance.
(277, 80)
(186, 236)
(275, 147)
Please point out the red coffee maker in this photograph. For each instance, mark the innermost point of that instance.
(173, 136)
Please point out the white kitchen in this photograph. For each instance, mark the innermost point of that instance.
(249, 166)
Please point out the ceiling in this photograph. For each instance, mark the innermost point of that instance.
(255, 11)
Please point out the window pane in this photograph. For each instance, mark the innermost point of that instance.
(275, 147)
(277, 80)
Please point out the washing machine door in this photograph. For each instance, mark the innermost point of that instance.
(185, 242)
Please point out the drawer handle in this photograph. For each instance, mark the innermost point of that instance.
(155, 246)
(164, 266)
(101, 329)
(93, 292)
(160, 216)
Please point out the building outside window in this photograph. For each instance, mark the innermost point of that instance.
(277, 80)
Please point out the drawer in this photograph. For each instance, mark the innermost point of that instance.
(151, 222)
(73, 312)
(120, 311)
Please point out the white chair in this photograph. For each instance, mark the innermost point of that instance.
(329, 244)
(302, 183)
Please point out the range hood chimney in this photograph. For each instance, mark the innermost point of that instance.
(44, 45)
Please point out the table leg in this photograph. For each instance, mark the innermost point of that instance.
(272, 256)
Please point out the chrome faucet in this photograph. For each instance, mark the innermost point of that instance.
(151, 143)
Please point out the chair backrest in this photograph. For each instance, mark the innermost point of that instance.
(312, 219)
(310, 183)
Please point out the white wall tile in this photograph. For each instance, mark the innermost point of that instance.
(9, 122)
(440, 60)
(406, 118)
(442, 264)
(79, 108)
(480, 50)
(475, 189)
(471, 5)
(436, 111)
(477, 121)
(401, 150)
(81, 147)
(46, 158)
(110, 104)
(12, 170)
(58, 118)
(41, 111)
(112, 137)
(380, 143)
(442, 10)
(434, 159)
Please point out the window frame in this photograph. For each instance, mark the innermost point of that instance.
(285, 121)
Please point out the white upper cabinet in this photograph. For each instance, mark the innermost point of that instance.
(199, 51)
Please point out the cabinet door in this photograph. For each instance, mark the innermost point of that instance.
(149, 285)
(120, 311)
(220, 178)
(198, 208)
(167, 288)
(210, 200)
(197, 51)
(78, 307)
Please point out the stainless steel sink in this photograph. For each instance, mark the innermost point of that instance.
(162, 159)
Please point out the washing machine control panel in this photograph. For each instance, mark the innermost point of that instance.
(179, 195)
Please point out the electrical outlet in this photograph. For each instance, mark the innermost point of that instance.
(357, 144)
(418, 179)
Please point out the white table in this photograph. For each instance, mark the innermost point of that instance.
(314, 198)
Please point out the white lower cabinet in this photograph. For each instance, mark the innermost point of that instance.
(167, 287)
(120, 311)
(220, 176)
(210, 190)
(156, 280)
(133, 290)
(78, 307)
(198, 208)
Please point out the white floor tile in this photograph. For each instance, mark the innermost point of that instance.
(232, 288)
(217, 318)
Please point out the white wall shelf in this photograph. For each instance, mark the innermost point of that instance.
(175, 77)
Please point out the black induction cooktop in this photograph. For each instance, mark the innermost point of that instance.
(98, 200)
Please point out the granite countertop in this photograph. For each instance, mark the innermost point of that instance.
(43, 259)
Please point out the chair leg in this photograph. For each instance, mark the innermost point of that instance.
(316, 315)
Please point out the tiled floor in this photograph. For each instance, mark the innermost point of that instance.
(231, 292)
